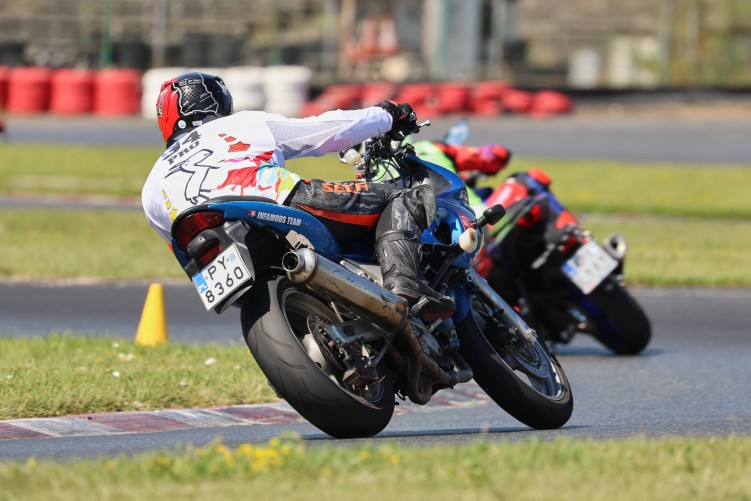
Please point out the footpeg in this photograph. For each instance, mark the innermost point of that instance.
(431, 309)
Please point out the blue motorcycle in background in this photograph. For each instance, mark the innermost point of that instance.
(565, 282)
(336, 345)
(543, 261)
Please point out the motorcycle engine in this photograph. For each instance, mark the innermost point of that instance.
(438, 344)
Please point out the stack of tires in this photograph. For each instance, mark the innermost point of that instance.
(69, 91)
(72, 92)
(342, 96)
(246, 83)
(375, 92)
(286, 89)
(275, 89)
(117, 92)
(435, 99)
(29, 90)
(487, 98)
(422, 97)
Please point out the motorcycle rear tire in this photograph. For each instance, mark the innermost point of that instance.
(623, 326)
(507, 388)
(274, 321)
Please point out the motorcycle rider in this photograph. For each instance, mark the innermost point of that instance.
(489, 159)
(466, 161)
(212, 151)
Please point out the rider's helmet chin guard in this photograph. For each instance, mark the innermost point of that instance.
(190, 100)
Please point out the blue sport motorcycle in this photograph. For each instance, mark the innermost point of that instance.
(336, 345)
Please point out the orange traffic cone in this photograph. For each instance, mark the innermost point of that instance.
(152, 329)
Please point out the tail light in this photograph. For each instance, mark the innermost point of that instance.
(195, 223)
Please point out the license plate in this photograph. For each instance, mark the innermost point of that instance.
(223, 276)
(589, 266)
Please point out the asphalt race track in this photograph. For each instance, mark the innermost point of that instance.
(688, 382)
(633, 138)
(691, 380)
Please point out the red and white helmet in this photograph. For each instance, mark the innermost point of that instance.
(188, 100)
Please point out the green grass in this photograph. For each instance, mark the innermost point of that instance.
(633, 469)
(660, 189)
(583, 185)
(26, 169)
(106, 244)
(697, 232)
(73, 374)
(47, 243)
(686, 226)
(676, 251)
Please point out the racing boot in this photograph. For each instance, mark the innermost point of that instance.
(399, 256)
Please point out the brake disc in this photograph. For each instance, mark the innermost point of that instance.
(317, 327)
(530, 360)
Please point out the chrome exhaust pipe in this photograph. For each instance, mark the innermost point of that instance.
(615, 245)
(303, 266)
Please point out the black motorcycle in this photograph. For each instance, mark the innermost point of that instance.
(563, 282)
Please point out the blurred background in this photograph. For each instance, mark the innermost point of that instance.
(444, 55)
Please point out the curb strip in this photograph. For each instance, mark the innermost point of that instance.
(115, 423)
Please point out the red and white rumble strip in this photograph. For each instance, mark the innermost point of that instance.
(110, 423)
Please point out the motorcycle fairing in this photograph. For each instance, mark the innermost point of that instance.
(453, 214)
(283, 219)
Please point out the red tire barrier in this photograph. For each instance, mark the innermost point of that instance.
(490, 89)
(29, 90)
(4, 76)
(421, 96)
(310, 109)
(72, 92)
(428, 99)
(453, 97)
(487, 98)
(337, 96)
(375, 92)
(547, 102)
(340, 96)
(117, 92)
(517, 101)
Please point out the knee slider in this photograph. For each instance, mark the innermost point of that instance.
(420, 203)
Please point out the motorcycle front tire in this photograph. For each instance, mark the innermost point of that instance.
(543, 402)
(275, 321)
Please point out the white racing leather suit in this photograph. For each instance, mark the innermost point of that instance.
(244, 155)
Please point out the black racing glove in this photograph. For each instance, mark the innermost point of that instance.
(403, 120)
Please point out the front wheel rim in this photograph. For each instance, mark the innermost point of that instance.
(539, 370)
(532, 364)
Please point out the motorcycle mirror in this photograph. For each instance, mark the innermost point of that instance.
(491, 215)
